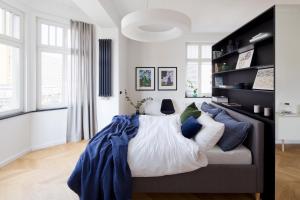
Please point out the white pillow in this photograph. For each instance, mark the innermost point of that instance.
(210, 133)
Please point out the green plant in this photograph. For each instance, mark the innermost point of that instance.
(190, 85)
(138, 104)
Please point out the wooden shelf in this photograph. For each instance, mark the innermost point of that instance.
(245, 69)
(225, 55)
(248, 112)
(237, 51)
(246, 90)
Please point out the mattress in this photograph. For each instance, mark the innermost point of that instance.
(239, 156)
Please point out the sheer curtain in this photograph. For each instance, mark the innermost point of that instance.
(82, 119)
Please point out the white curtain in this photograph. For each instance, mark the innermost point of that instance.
(82, 119)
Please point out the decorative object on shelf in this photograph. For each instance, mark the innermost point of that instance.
(167, 78)
(245, 59)
(256, 109)
(218, 81)
(145, 78)
(216, 54)
(138, 104)
(219, 99)
(194, 89)
(216, 67)
(264, 79)
(236, 44)
(267, 112)
(167, 107)
(225, 67)
(260, 37)
(230, 47)
(155, 24)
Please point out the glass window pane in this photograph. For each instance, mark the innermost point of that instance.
(192, 51)
(59, 36)
(44, 34)
(8, 23)
(192, 79)
(16, 26)
(9, 78)
(52, 35)
(51, 79)
(206, 78)
(2, 21)
(206, 51)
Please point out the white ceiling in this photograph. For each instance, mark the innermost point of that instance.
(207, 15)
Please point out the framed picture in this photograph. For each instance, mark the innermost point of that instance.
(145, 78)
(245, 59)
(264, 79)
(167, 78)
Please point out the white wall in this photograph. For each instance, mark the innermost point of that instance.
(48, 128)
(38, 129)
(31, 131)
(15, 138)
(107, 107)
(287, 68)
(166, 54)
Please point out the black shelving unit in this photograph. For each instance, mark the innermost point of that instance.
(264, 57)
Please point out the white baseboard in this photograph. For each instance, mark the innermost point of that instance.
(47, 145)
(13, 158)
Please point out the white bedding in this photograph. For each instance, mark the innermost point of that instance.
(239, 156)
(159, 148)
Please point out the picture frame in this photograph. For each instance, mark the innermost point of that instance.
(167, 78)
(264, 79)
(245, 59)
(145, 78)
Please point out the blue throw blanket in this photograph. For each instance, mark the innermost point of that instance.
(102, 171)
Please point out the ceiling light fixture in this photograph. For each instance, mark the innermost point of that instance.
(155, 25)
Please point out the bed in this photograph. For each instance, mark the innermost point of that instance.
(224, 173)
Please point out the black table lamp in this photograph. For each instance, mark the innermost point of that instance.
(167, 107)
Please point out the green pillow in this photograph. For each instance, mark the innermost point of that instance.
(191, 110)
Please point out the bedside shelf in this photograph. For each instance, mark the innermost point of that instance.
(245, 69)
(246, 90)
(248, 112)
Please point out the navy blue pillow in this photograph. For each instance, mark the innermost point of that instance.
(235, 132)
(210, 109)
(190, 127)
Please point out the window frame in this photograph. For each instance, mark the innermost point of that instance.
(64, 50)
(198, 60)
(20, 44)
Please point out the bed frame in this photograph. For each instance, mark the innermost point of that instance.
(216, 178)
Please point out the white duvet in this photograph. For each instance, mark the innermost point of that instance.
(159, 148)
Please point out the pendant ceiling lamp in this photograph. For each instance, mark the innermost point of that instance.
(155, 25)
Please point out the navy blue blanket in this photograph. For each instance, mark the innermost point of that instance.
(102, 171)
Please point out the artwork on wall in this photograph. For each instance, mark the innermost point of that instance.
(145, 78)
(245, 59)
(167, 78)
(264, 79)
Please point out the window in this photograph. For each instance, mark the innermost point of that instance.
(53, 57)
(11, 49)
(198, 70)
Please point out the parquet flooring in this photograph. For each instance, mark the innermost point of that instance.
(42, 175)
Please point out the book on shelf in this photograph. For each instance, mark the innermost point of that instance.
(220, 99)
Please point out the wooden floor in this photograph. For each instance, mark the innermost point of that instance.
(42, 175)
